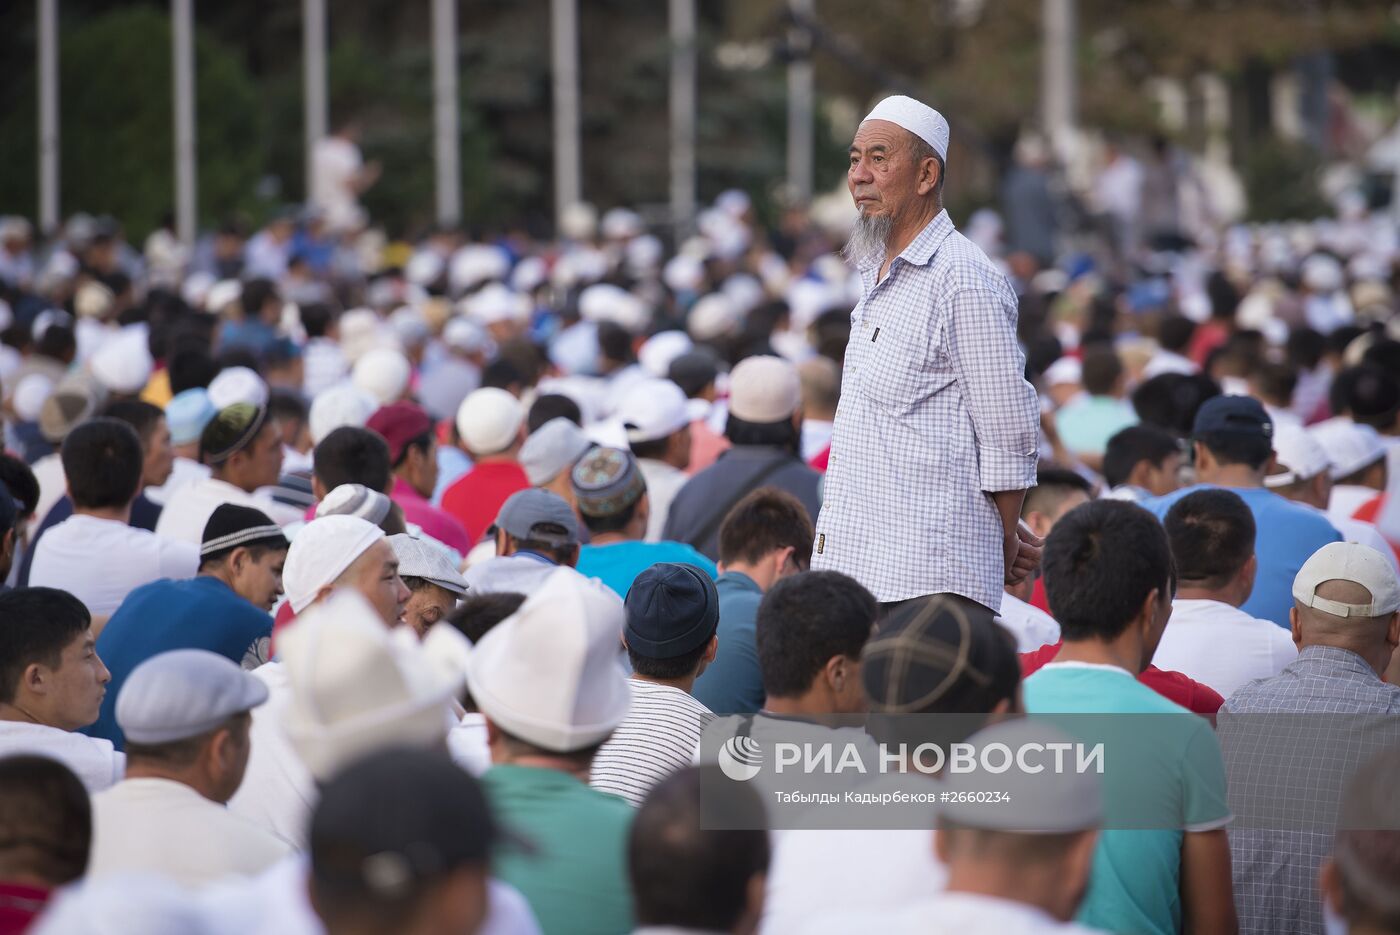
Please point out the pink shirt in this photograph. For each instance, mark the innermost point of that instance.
(441, 526)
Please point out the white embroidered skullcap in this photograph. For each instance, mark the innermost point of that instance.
(916, 117)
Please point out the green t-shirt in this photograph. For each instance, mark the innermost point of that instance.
(576, 880)
(1161, 772)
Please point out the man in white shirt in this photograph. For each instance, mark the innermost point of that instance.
(186, 415)
(672, 616)
(94, 554)
(243, 448)
(52, 684)
(1208, 637)
(338, 176)
(656, 416)
(185, 714)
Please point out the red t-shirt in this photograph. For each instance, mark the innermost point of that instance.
(476, 497)
(1185, 691)
(19, 905)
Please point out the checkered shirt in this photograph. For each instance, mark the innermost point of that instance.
(934, 415)
(1328, 714)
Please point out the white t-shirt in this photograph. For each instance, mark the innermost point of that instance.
(1346, 499)
(1222, 646)
(93, 760)
(278, 791)
(167, 828)
(190, 507)
(955, 914)
(657, 738)
(101, 561)
(53, 484)
(663, 483)
(1032, 627)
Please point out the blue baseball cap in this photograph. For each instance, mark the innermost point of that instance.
(1234, 415)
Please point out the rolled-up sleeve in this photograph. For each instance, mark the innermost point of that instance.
(981, 339)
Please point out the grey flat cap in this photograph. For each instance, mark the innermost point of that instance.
(424, 558)
(182, 694)
(552, 449)
(538, 515)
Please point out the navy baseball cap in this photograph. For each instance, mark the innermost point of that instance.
(1235, 415)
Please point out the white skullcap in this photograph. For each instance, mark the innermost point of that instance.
(383, 373)
(410, 325)
(1322, 273)
(222, 294)
(489, 420)
(683, 273)
(29, 396)
(237, 385)
(476, 263)
(123, 364)
(1065, 371)
(606, 302)
(93, 300)
(643, 255)
(744, 291)
(714, 316)
(464, 335)
(355, 500)
(620, 223)
(764, 389)
(196, 288)
(579, 221)
(496, 303)
(321, 552)
(734, 201)
(342, 404)
(660, 349)
(529, 274)
(918, 118)
(423, 268)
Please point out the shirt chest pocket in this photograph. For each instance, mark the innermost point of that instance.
(898, 369)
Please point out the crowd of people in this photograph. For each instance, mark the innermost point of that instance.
(362, 585)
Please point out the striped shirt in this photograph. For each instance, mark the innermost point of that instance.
(660, 735)
(935, 414)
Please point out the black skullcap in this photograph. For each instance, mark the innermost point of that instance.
(672, 609)
(231, 526)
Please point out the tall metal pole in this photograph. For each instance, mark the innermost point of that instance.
(48, 115)
(1057, 73)
(313, 59)
(186, 199)
(801, 94)
(568, 185)
(447, 134)
(683, 105)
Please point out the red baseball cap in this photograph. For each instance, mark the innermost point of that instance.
(399, 424)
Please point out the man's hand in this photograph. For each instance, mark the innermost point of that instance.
(1021, 552)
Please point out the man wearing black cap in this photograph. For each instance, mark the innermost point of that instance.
(1233, 445)
(223, 609)
(672, 617)
(243, 448)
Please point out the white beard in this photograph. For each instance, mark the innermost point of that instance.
(868, 237)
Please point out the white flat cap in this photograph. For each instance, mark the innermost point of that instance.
(1348, 561)
(182, 694)
(489, 420)
(549, 673)
(764, 389)
(321, 552)
(916, 117)
(551, 449)
(426, 558)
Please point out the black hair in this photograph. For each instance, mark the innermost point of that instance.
(805, 620)
(1175, 332)
(57, 342)
(552, 406)
(615, 523)
(286, 405)
(1052, 486)
(477, 614)
(1171, 400)
(1253, 451)
(45, 820)
(677, 667)
(422, 442)
(256, 294)
(257, 551)
(352, 455)
(682, 872)
(775, 434)
(1274, 382)
(654, 449)
(191, 368)
(1133, 445)
(317, 319)
(39, 624)
(102, 462)
(1101, 561)
(140, 415)
(1211, 533)
(1384, 353)
(615, 342)
(19, 479)
(764, 521)
(1338, 339)
(185, 751)
(1305, 348)
(1102, 369)
(1373, 396)
(502, 374)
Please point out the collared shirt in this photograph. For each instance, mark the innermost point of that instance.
(436, 523)
(167, 828)
(934, 415)
(1275, 871)
(733, 683)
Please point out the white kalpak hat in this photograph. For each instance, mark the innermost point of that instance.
(549, 673)
(916, 117)
(321, 552)
(1348, 561)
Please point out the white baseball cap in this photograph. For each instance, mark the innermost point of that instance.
(1350, 446)
(489, 420)
(764, 389)
(1348, 561)
(1299, 454)
(653, 410)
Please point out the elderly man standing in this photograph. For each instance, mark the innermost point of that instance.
(935, 438)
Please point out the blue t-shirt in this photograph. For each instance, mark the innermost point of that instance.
(194, 613)
(1173, 765)
(733, 683)
(1286, 536)
(619, 563)
(1086, 424)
